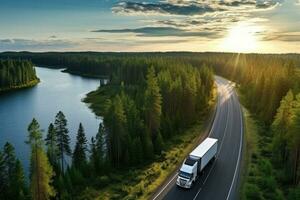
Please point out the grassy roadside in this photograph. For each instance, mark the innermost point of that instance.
(250, 148)
(142, 182)
(258, 180)
(27, 85)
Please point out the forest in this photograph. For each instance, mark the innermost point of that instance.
(104, 64)
(270, 90)
(152, 96)
(147, 102)
(16, 74)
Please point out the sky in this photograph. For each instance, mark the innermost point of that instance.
(259, 26)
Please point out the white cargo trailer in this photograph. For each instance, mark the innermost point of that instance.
(196, 162)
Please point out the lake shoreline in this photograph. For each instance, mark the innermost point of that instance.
(54, 92)
(84, 75)
(20, 87)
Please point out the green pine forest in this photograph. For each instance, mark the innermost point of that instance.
(16, 74)
(147, 102)
(152, 97)
(269, 88)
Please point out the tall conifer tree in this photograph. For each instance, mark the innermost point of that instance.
(63, 139)
(79, 154)
(52, 146)
(41, 172)
(152, 103)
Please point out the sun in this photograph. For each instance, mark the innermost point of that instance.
(241, 38)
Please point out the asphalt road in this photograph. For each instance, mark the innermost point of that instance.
(220, 179)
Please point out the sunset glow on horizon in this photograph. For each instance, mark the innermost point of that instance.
(268, 26)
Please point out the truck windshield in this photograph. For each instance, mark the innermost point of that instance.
(189, 161)
(185, 174)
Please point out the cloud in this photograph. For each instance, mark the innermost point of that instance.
(30, 44)
(6, 41)
(202, 19)
(216, 21)
(163, 8)
(282, 36)
(163, 31)
(148, 40)
(190, 7)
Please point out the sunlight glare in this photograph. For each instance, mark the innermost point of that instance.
(241, 38)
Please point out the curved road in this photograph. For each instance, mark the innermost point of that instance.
(220, 179)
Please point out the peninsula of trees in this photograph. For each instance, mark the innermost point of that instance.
(15, 74)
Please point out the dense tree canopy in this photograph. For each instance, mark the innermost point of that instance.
(149, 101)
(150, 98)
(16, 73)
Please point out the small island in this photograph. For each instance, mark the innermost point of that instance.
(17, 74)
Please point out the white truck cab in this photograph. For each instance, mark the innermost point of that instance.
(187, 174)
(196, 162)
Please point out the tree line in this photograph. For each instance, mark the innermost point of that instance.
(151, 101)
(15, 73)
(264, 80)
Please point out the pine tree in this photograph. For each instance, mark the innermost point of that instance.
(63, 139)
(158, 143)
(61, 190)
(3, 180)
(10, 163)
(280, 127)
(94, 158)
(41, 172)
(115, 121)
(147, 145)
(51, 143)
(98, 154)
(189, 98)
(18, 185)
(79, 154)
(294, 147)
(68, 184)
(100, 143)
(9, 159)
(137, 151)
(152, 103)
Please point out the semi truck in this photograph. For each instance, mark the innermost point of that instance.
(196, 161)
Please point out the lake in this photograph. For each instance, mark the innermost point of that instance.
(56, 91)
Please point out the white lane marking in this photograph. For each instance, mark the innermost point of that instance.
(240, 151)
(225, 130)
(217, 113)
(165, 186)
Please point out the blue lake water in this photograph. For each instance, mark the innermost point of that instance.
(56, 91)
